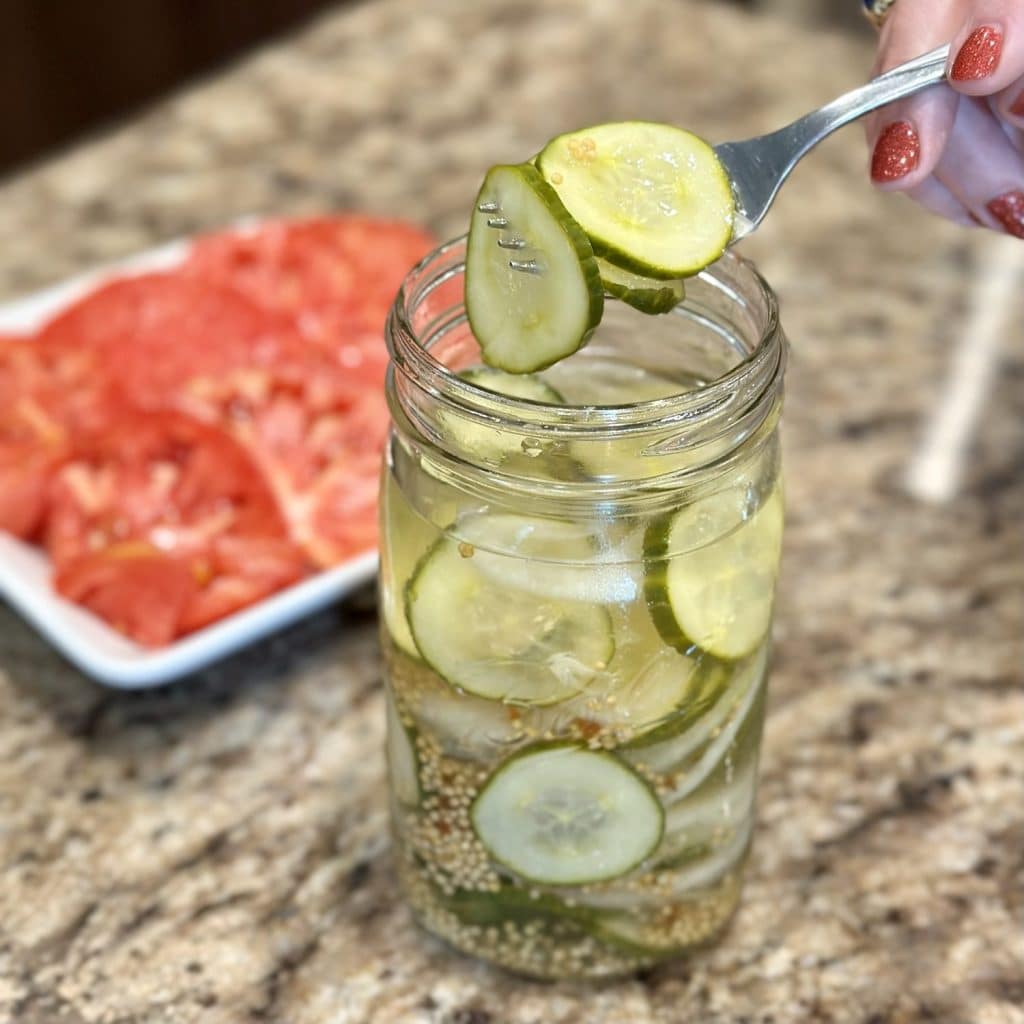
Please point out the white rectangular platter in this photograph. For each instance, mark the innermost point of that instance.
(85, 640)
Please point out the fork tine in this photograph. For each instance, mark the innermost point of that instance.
(497, 222)
(525, 266)
(512, 243)
(488, 207)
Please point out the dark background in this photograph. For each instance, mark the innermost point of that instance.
(69, 66)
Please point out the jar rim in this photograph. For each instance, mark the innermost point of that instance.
(715, 403)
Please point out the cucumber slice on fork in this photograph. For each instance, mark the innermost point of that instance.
(533, 291)
(646, 294)
(652, 198)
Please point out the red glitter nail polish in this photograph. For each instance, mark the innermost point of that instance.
(979, 56)
(1017, 107)
(1008, 209)
(897, 152)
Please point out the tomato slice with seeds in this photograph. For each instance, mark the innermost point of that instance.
(150, 336)
(339, 516)
(335, 275)
(188, 443)
(160, 485)
(158, 476)
(239, 571)
(42, 399)
(134, 586)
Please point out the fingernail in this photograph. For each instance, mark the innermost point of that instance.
(1008, 209)
(1017, 109)
(979, 56)
(897, 152)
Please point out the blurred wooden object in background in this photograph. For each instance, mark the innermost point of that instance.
(69, 65)
(844, 13)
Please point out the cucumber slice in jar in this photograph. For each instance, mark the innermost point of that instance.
(564, 815)
(533, 292)
(719, 709)
(405, 537)
(511, 903)
(403, 764)
(611, 382)
(706, 815)
(551, 558)
(516, 385)
(647, 294)
(466, 727)
(486, 637)
(653, 198)
(717, 592)
(485, 440)
(639, 698)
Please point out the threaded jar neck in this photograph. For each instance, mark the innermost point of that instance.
(727, 327)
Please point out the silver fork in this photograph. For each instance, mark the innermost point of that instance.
(759, 166)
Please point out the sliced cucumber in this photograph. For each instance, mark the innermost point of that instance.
(608, 381)
(405, 537)
(551, 558)
(403, 765)
(484, 439)
(727, 692)
(717, 593)
(515, 385)
(719, 754)
(688, 761)
(708, 684)
(646, 294)
(725, 808)
(493, 640)
(566, 815)
(684, 883)
(528, 318)
(510, 903)
(467, 727)
(642, 692)
(635, 922)
(653, 198)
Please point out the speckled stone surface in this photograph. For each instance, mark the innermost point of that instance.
(217, 851)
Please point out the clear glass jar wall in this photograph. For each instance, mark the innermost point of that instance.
(576, 598)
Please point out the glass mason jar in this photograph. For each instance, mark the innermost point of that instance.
(577, 578)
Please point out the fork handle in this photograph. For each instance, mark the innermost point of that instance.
(904, 80)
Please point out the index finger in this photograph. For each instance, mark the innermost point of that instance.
(908, 137)
(987, 51)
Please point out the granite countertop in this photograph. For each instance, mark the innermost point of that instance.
(217, 850)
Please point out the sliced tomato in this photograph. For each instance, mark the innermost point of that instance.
(323, 467)
(161, 477)
(41, 400)
(25, 478)
(207, 433)
(153, 335)
(159, 485)
(240, 571)
(336, 275)
(31, 443)
(134, 586)
(382, 252)
(337, 519)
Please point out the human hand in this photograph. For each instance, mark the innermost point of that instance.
(958, 149)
